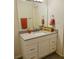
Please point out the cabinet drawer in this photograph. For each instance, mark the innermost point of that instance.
(53, 35)
(53, 39)
(53, 46)
(52, 42)
(30, 49)
(52, 49)
(32, 56)
(30, 42)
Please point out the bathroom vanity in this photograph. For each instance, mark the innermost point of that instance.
(38, 44)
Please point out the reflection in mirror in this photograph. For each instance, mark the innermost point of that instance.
(33, 10)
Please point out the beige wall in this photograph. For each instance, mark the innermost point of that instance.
(17, 48)
(56, 7)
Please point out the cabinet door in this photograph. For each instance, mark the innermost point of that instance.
(43, 47)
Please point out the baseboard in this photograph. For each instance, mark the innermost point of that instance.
(60, 54)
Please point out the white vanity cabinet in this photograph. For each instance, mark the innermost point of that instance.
(38, 47)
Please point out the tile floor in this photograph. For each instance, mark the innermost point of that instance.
(53, 56)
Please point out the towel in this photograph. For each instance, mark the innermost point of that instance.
(24, 23)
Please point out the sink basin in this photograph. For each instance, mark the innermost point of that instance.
(39, 32)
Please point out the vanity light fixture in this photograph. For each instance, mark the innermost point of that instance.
(34, 0)
(38, 0)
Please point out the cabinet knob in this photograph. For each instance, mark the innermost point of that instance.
(33, 57)
(53, 48)
(32, 49)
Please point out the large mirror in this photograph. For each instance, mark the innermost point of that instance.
(33, 10)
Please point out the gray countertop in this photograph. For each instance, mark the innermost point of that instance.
(27, 36)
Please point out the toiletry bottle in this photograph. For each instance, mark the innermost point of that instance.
(43, 21)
